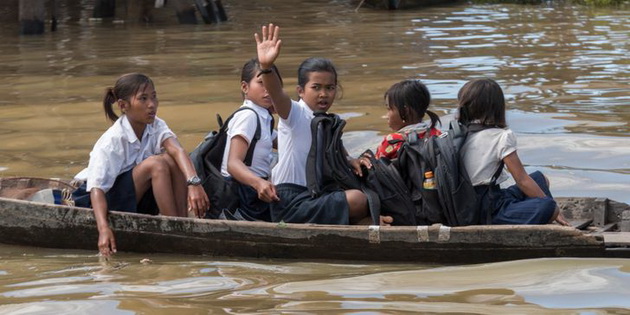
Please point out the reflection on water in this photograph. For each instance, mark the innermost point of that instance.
(191, 285)
(564, 70)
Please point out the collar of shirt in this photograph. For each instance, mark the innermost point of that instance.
(306, 107)
(128, 130)
(419, 126)
(261, 111)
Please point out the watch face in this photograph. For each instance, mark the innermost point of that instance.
(195, 180)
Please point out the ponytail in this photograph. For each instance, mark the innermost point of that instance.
(108, 104)
(435, 119)
(125, 88)
(411, 98)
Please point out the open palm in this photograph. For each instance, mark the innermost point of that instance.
(268, 45)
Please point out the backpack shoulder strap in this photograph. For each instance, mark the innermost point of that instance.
(250, 150)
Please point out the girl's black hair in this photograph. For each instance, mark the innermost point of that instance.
(315, 64)
(125, 88)
(251, 67)
(482, 101)
(412, 99)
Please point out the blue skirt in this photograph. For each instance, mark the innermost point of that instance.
(297, 206)
(512, 206)
(250, 207)
(121, 197)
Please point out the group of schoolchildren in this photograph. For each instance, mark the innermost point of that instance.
(138, 165)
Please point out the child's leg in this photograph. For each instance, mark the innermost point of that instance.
(154, 172)
(180, 189)
(357, 205)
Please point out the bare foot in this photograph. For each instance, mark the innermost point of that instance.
(386, 220)
(561, 220)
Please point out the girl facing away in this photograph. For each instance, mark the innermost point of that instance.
(317, 88)
(254, 188)
(529, 201)
(407, 102)
(137, 165)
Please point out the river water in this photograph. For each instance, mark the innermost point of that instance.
(564, 69)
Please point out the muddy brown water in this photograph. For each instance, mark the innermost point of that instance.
(564, 70)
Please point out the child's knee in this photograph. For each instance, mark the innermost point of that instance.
(356, 199)
(158, 164)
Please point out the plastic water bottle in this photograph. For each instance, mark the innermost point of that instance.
(429, 181)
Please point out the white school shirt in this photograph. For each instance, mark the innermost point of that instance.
(483, 152)
(119, 150)
(294, 143)
(244, 124)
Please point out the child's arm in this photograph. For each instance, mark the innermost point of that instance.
(197, 199)
(240, 171)
(525, 183)
(268, 48)
(106, 240)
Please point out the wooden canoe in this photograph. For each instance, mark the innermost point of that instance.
(30, 223)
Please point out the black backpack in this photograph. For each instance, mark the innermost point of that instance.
(454, 201)
(207, 159)
(394, 196)
(327, 167)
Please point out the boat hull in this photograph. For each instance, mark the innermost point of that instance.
(35, 224)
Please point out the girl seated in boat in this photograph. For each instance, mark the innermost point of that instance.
(137, 165)
(252, 183)
(317, 88)
(481, 102)
(407, 103)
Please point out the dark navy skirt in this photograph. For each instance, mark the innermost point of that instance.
(250, 207)
(297, 206)
(121, 197)
(512, 206)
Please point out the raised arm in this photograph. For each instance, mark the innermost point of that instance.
(268, 48)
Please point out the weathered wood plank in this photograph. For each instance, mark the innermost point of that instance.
(581, 224)
(618, 239)
(27, 223)
(35, 224)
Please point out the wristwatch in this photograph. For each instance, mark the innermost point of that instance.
(195, 181)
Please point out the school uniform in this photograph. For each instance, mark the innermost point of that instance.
(244, 124)
(112, 160)
(289, 175)
(482, 155)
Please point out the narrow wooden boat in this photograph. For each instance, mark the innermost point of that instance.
(24, 222)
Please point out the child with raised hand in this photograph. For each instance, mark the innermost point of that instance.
(253, 186)
(317, 87)
(137, 165)
(407, 102)
(481, 102)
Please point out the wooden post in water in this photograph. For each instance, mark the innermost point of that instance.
(104, 9)
(143, 9)
(32, 14)
(212, 11)
(53, 15)
(185, 12)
